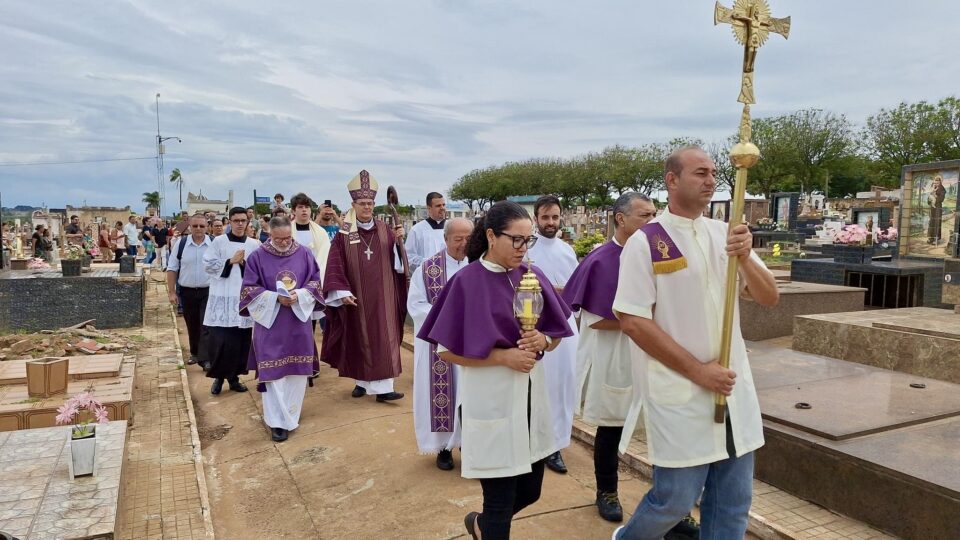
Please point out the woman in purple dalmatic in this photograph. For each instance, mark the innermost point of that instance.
(504, 407)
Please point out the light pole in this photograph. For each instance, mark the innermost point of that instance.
(160, 152)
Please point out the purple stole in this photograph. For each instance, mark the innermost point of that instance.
(664, 252)
(442, 388)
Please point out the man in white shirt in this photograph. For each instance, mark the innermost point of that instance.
(426, 238)
(132, 232)
(669, 300)
(186, 269)
(557, 260)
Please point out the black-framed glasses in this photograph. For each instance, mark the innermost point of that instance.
(519, 241)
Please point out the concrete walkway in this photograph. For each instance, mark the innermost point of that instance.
(352, 471)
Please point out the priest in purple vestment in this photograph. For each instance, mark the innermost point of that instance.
(281, 292)
(366, 296)
(505, 411)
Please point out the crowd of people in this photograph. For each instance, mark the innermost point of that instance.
(628, 335)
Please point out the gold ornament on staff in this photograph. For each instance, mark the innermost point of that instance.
(752, 25)
(528, 300)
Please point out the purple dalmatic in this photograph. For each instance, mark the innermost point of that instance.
(474, 313)
(593, 285)
(442, 382)
(287, 347)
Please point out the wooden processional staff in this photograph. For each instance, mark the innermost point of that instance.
(752, 25)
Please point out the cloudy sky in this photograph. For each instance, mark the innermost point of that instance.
(297, 95)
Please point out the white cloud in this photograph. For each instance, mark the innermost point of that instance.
(300, 95)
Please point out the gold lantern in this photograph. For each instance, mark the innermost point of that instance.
(528, 300)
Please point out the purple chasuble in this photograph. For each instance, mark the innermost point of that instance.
(593, 285)
(287, 347)
(474, 313)
(442, 383)
(363, 341)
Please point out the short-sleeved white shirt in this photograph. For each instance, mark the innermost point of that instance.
(688, 305)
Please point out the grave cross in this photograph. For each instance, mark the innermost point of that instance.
(752, 24)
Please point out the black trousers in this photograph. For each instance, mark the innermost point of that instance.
(605, 459)
(504, 497)
(194, 303)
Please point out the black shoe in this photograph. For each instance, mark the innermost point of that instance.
(278, 434)
(204, 365)
(388, 396)
(358, 391)
(445, 460)
(687, 529)
(237, 386)
(193, 360)
(555, 463)
(609, 506)
(470, 522)
(217, 387)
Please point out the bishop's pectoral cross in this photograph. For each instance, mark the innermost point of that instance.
(752, 24)
(368, 252)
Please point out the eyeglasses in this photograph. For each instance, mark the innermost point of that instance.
(519, 241)
(195, 226)
(282, 241)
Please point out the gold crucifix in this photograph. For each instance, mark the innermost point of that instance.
(752, 24)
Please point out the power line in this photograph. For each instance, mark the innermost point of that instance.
(28, 163)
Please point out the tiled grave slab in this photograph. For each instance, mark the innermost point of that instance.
(856, 405)
(871, 447)
(796, 298)
(37, 498)
(857, 337)
(81, 368)
(19, 411)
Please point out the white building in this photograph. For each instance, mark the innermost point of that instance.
(199, 203)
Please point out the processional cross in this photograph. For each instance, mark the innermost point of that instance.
(752, 24)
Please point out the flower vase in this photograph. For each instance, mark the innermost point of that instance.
(83, 453)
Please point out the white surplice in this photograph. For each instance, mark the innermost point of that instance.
(223, 303)
(557, 260)
(423, 241)
(418, 307)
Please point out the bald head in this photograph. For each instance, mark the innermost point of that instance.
(456, 232)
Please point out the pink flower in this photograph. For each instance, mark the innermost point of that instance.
(67, 413)
(101, 414)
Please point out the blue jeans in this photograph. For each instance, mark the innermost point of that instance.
(132, 251)
(727, 488)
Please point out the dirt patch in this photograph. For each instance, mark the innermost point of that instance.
(213, 433)
(312, 456)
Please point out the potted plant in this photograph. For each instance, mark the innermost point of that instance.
(81, 410)
(72, 264)
(851, 245)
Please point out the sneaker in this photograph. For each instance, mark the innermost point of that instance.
(609, 507)
(687, 529)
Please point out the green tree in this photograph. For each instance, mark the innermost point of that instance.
(177, 179)
(900, 136)
(152, 199)
(817, 140)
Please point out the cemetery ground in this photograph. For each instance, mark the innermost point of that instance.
(203, 466)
